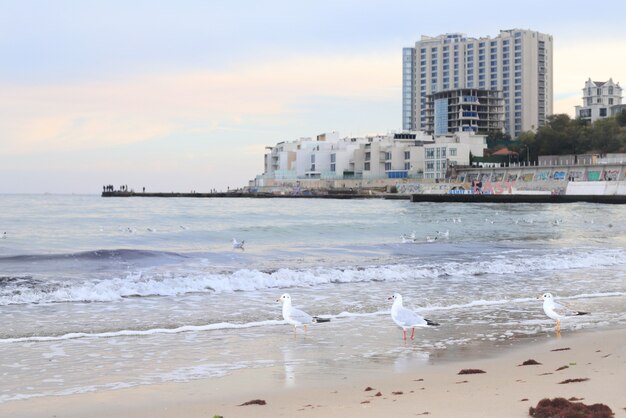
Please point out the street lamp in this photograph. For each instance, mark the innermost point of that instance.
(527, 155)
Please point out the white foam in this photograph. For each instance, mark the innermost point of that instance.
(137, 333)
(171, 283)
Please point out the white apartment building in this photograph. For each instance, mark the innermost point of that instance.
(392, 156)
(599, 97)
(517, 63)
(450, 151)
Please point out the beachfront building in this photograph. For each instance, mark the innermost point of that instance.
(601, 99)
(517, 63)
(464, 110)
(392, 156)
(451, 151)
(405, 155)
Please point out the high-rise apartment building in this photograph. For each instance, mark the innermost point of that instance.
(464, 110)
(518, 63)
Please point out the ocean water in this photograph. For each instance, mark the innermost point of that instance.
(105, 293)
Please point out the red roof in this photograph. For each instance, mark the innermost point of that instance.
(504, 151)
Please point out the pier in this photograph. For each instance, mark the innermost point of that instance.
(517, 198)
(416, 198)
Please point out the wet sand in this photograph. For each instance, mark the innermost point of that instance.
(595, 360)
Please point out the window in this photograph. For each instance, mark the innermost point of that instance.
(407, 166)
(610, 100)
(387, 166)
(332, 167)
(368, 156)
(452, 152)
(430, 165)
(387, 156)
(430, 153)
(333, 158)
(602, 111)
(366, 166)
(313, 158)
(407, 155)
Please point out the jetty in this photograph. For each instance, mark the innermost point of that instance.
(260, 195)
(517, 198)
(416, 198)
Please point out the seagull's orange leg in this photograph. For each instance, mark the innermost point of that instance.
(413, 334)
(404, 334)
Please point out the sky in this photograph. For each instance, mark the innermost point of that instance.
(185, 95)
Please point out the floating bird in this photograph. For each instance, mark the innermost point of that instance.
(4, 235)
(431, 239)
(238, 244)
(296, 317)
(408, 238)
(444, 234)
(406, 318)
(557, 311)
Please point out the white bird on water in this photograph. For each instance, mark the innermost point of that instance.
(296, 317)
(557, 311)
(406, 318)
(238, 244)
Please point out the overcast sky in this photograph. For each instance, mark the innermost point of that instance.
(185, 95)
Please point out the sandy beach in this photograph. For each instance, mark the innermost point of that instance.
(506, 389)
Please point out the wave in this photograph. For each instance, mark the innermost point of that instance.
(141, 333)
(156, 282)
(105, 254)
(272, 322)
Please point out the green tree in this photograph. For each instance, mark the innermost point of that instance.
(621, 118)
(563, 135)
(605, 136)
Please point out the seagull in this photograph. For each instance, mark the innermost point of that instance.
(237, 244)
(431, 239)
(406, 318)
(296, 317)
(557, 311)
(4, 235)
(445, 234)
(408, 238)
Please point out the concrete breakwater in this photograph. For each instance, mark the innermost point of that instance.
(517, 198)
(442, 198)
(259, 195)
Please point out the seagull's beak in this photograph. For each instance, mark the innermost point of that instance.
(390, 297)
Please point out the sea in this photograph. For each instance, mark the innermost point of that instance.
(99, 294)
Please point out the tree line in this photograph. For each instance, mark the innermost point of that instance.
(562, 135)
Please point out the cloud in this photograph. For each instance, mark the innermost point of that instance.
(123, 111)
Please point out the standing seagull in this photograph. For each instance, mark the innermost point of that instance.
(406, 318)
(557, 311)
(295, 316)
(238, 244)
